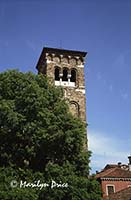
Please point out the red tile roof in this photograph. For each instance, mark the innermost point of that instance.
(115, 172)
(108, 166)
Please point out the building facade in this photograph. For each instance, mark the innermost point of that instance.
(115, 178)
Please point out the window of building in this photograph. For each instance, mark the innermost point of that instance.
(73, 75)
(57, 71)
(64, 77)
(110, 189)
(65, 74)
(74, 107)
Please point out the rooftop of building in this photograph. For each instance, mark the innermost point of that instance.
(64, 51)
(118, 170)
(115, 172)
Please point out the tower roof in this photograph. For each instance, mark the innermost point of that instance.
(57, 51)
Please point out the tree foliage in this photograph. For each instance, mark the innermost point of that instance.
(41, 140)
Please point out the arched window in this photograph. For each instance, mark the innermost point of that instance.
(57, 71)
(73, 75)
(65, 74)
(75, 108)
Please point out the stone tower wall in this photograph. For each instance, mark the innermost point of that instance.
(75, 95)
(69, 60)
(74, 91)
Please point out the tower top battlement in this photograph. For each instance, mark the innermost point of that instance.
(61, 53)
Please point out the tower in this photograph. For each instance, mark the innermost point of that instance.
(66, 68)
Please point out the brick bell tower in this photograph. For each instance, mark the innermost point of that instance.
(66, 69)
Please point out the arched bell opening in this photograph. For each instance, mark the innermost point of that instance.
(73, 75)
(57, 73)
(65, 74)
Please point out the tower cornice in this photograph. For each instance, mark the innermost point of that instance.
(63, 52)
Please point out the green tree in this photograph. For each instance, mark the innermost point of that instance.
(41, 140)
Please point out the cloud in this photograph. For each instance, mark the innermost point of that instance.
(120, 60)
(110, 87)
(31, 45)
(99, 76)
(124, 94)
(4, 43)
(106, 149)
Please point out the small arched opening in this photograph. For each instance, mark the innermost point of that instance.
(73, 75)
(65, 75)
(75, 108)
(57, 72)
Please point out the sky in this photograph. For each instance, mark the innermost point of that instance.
(101, 28)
